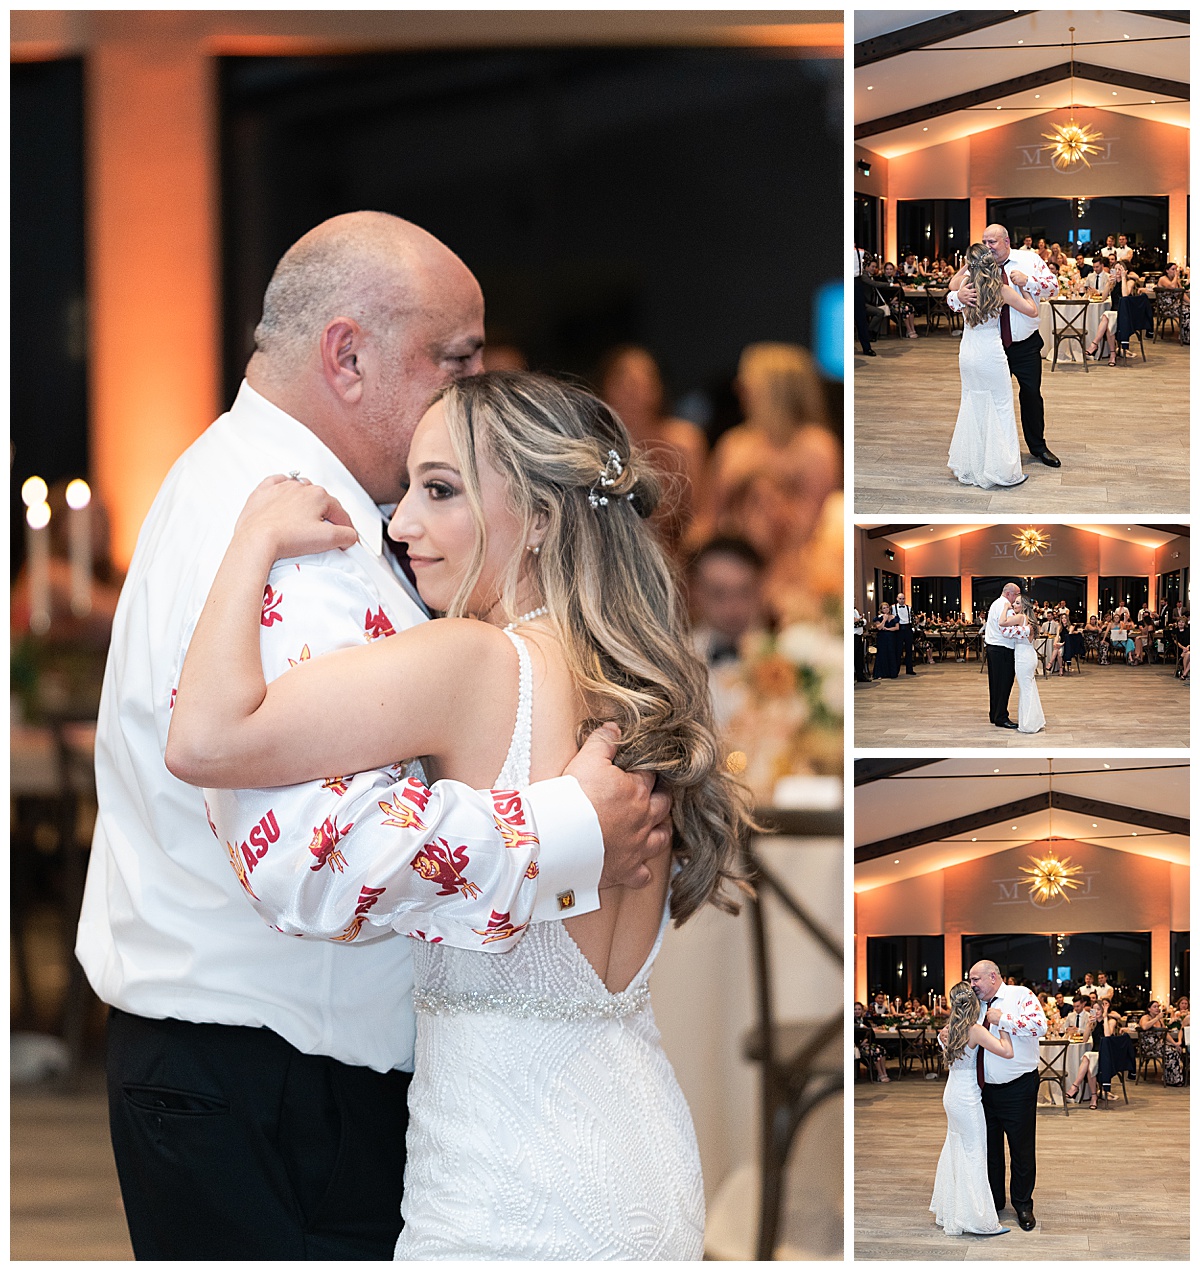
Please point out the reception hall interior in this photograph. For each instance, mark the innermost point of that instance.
(1113, 632)
(1070, 129)
(623, 185)
(1073, 877)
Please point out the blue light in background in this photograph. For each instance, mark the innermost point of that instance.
(829, 342)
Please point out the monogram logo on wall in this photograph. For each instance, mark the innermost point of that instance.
(1015, 891)
(1035, 157)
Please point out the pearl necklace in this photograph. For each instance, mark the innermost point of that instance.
(527, 617)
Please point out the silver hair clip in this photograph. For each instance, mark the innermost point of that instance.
(610, 474)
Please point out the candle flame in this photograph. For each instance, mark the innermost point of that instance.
(33, 492)
(79, 494)
(38, 516)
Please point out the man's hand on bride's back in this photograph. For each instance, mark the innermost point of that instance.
(293, 517)
(967, 294)
(635, 819)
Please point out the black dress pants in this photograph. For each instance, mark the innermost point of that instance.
(1025, 362)
(1002, 671)
(232, 1144)
(1010, 1112)
(906, 646)
(860, 315)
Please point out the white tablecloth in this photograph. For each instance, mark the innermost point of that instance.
(1069, 352)
(1049, 1095)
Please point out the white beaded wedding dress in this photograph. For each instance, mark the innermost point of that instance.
(545, 1121)
(1029, 703)
(962, 1200)
(985, 450)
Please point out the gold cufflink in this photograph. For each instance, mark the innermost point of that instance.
(566, 900)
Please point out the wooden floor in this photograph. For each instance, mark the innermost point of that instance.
(1121, 433)
(946, 704)
(1124, 1170)
(63, 1194)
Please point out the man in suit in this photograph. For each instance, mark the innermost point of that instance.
(1000, 664)
(905, 615)
(1010, 1087)
(1023, 344)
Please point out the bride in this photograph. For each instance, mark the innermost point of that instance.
(962, 1199)
(985, 450)
(545, 1120)
(1017, 623)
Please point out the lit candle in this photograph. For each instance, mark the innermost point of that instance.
(79, 536)
(37, 560)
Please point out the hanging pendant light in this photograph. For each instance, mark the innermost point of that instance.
(1071, 143)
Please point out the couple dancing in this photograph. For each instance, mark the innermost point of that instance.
(1008, 635)
(991, 1051)
(997, 291)
(480, 908)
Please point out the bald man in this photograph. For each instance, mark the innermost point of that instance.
(257, 1082)
(1023, 344)
(1010, 1087)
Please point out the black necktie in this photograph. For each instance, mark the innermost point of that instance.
(979, 1052)
(1005, 315)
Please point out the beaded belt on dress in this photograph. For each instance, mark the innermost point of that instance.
(527, 1006)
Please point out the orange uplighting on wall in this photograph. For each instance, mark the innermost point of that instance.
(152, 264)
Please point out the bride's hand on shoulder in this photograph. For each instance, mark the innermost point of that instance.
(290, 516)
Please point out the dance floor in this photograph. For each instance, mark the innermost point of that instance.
(1121, 433)
(946, 704)
(1111, 1184)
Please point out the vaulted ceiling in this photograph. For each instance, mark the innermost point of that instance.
(924, 77)
(913, 817)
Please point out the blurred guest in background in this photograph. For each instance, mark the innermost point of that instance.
(725, 580)
(629, 380)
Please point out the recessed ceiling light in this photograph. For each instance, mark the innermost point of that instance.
(1114, 92)
(974, 840)
(995, 769)
(1135, 834)
(1037, 97)
(896, 861)
(1107, 765)
(1093, 825)
(1014, 827)
(1124, 37)
(870, 88)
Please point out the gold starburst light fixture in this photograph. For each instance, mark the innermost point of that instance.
(1071, 143)
(1031, 542)
(1050, 878)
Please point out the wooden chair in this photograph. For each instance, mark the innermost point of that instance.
(1052, 1067)
(914, 1049)
(1150, 1045)
(1068, 323)
(1168, 307)
(802, 1062)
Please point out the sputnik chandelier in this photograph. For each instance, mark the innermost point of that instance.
(1049, 877)
(1071, 143)
(1031, 542)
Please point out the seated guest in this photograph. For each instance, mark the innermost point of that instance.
(865, 1043)
(1174, 1073)
(1181, 1013)
(725, 593)
(1169, 278)
(1089, 1066)
(900, 307)
(1153, 1017)
(1079, 1014)
(1143, 639)
(1182, 636)
(880, 1004)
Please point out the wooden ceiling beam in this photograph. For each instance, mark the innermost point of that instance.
(1021, 84)
(883, 531)
(910, 38)
(868, 770)
(951, 829)
(1120, 812)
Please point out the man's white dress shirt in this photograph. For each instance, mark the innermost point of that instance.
(168, 928)
(1040, 284)
(1022, 1017)
(993, 632)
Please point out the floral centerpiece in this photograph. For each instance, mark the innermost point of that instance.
(780, 705)
(1069, 281)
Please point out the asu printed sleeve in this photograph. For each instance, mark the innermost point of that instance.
(355, 856)
(1024, 1017)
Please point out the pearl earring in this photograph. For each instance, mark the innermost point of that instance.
(535, 548)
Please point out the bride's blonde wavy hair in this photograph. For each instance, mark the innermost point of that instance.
(964, 1011)
(613, 599)
(983, 273)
